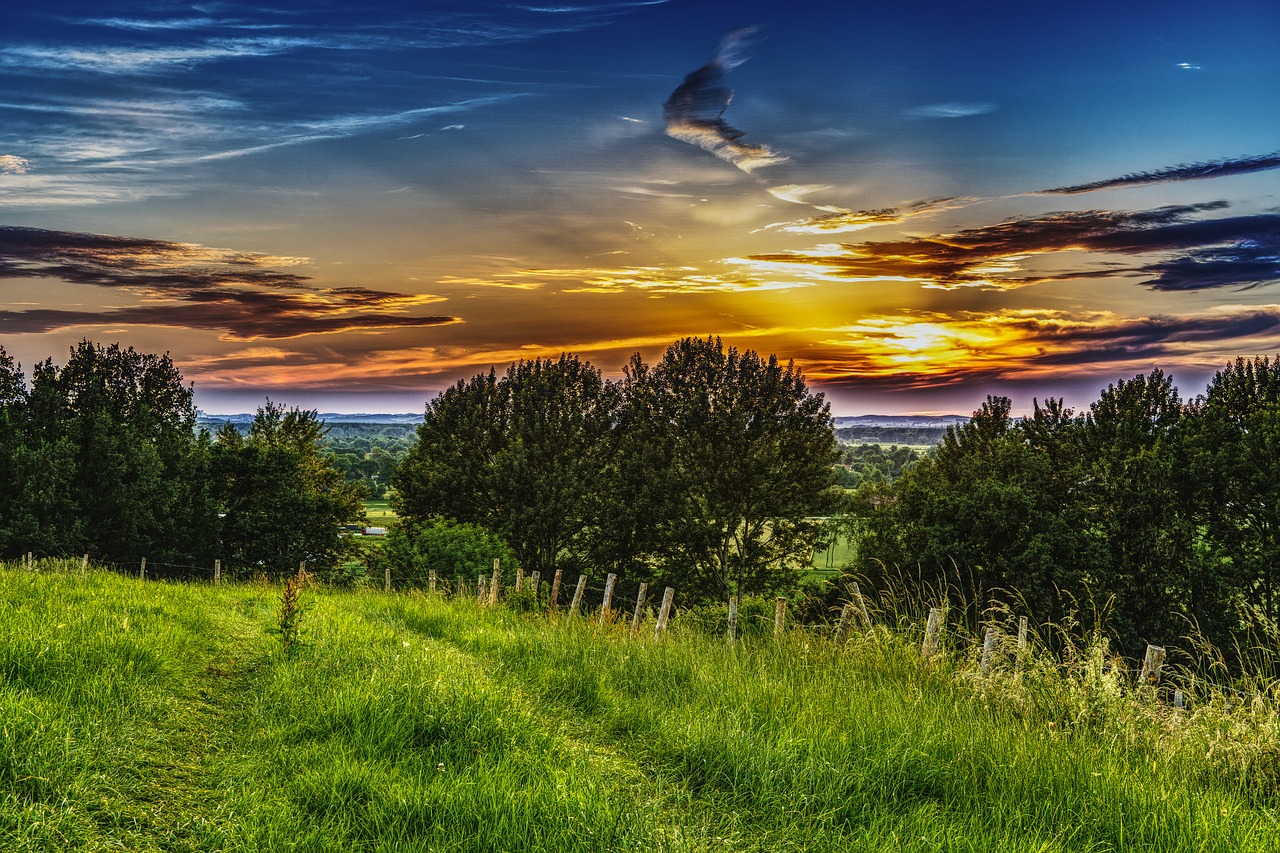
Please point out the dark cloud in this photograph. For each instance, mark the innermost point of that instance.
(196, 287)
(1183, 172)
(695, 111)
(1239, 250)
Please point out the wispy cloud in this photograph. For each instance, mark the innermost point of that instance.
(949, 110)
(695, 111)
(243, 295)
(1183, 172)
(1205, 253)
(139, 59)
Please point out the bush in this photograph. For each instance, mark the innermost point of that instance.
(449, 547)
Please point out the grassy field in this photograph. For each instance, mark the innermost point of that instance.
(379, 513)
(148, 716)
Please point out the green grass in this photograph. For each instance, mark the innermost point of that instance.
(378, 513)
(150, 716)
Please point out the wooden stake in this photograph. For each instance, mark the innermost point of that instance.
(493, 584)
(988, 648)
(779, 616)
(635, 617)
(608, 597)
(535, 580)
(217, 573)
(932, 633)
(142, 570)
(431, 580)
(1022, 640)
(1151, 665)
(846, 616)
(386, 579)
(733, 618)
(577, 595)
(862, 606)
(555, 590)
(84, 565)
(519, 578)
(661, 627)
(480, 589)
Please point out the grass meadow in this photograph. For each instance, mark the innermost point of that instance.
(150, 716)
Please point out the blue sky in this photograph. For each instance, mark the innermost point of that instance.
(350, 207)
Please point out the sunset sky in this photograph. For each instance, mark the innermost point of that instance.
(350, 206)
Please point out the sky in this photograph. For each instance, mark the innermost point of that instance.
(351, 206)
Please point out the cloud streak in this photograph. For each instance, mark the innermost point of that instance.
(242, 295)
(1205, 253)
(1183, 172)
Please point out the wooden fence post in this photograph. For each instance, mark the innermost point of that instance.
(142, 570)
(932, 633)
(555, 590)
(217, 573)
(862, 606)
(779, 616)
(493, 584)
(667, 595)
(733, 618)
(519, 578)
(635, 617)
(988, 648)
(480, 589)
(577, 595)
(84, 565)
(846, 616)
(431, 580)
(386, 578)
(1151, 665)
(535, 580)
(608, 597)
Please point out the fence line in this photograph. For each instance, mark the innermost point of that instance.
(1147, 680)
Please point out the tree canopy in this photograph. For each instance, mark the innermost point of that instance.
(701, 471)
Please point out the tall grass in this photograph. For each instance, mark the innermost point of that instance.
(149, 716)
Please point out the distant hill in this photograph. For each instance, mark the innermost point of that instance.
(895, 429)
(243, 420)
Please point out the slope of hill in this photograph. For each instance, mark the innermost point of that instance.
(150, 716)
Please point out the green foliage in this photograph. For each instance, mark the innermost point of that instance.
(871, 463)
(450, 548)
(101, 456)
(725, 458)
(284, 500)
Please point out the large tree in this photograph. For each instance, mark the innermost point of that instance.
(283, 497)
(1235, 456)
(729, 458)
(105, 454)
(521, 455)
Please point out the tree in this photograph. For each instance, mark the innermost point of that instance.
(521, 455)
(284, 499)
(727, 456)
(1140, 503)
(1235, 457)
(992, 516)
(106, 458)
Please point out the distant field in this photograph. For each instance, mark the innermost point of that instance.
(379, 513)
(156, 717)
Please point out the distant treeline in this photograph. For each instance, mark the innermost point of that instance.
(890, 435)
